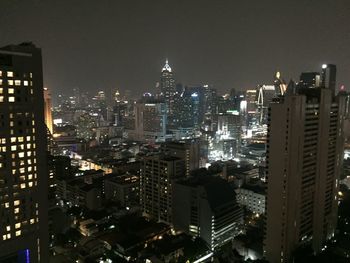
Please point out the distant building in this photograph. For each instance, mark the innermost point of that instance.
(168, 87)
(47, 110)
(157, 175)
(23, 159)
(188, 151)
(124, 189)
(206, 207)
(265, 94)
(149, 122)
(303, 163)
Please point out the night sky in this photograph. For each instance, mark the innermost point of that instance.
(98, 45)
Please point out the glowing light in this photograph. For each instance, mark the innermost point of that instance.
(166, 66)
(324, 66)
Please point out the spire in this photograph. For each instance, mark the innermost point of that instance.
(166, 66)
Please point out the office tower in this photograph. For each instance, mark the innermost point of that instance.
(265, 94)
(23, 161)
(206, 207)
(210, 99)
(167, 86)
(329, 74)
(157, 175)
(229, 126)
(303, 162)
(188, 150)
(150, 121)
(310, 80)
(47, 110)
(280, 84)
(251, 100)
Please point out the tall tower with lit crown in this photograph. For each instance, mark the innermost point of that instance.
(167, 86)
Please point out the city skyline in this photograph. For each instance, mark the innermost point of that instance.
(125, 45)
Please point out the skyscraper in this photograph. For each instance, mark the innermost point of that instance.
(304, 157)
(23, 167)
(150, 121)
(168, 92)
(48, 111)
(167, 82)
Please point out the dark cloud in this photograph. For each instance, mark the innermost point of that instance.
(231, 44)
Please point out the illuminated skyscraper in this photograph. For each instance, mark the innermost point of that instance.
(303, 158)
(48, 111)
(23, 162)
(167, 81)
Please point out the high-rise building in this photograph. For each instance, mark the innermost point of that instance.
(23, 160)
(310, 80)
(206, 207)
(150, 121)
(303, 162)
(329, 74)
(48, 110)
(157, 175)
(167, 86)
(188, 150)
(265, 94)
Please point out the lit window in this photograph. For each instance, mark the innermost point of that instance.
(30, 176)
(7, 205)
(32, 221)
(13, 148)
(11, 99)
(16, 202)
(11, 90)
(17, 225)
(28, 145)
(0, 73)
(4, 237)
(25, 83)
(8, 236)
(23, 186)
(16, 210)
(11, 123)
(13, 139)
(17, 82)
(28, 138)
(1, 98)
(20, 139)
(1, 89)
(21, 154)
(8, 228)
(31, 75)
(10, 82)
(18, 233)
(22, 170)
(30, 184)
(10, 74)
